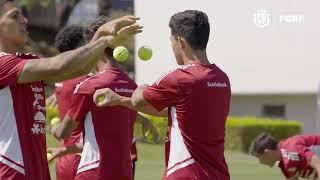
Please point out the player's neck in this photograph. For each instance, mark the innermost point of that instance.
(199, 56)
(8, 48)
(278, 156)
(102, 65)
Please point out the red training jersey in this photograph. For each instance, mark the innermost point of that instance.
(22, 123)
(197, 97)
(297, 152)
(108, 131)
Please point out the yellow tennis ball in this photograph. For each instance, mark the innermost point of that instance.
(120, 53)
(101, 98)
(55, 121)
(49, 155)
(145, 53)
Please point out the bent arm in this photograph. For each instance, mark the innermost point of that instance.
(64, 66)
(64, 129)
(140, 104)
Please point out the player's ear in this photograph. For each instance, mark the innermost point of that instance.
(267, 151)
(182, 42)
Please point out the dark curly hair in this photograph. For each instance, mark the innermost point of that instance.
(193, 26)
(69, 38)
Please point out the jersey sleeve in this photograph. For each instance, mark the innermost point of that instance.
(163, 93)
(11, 67)
(299, 155)
(305, 153)
(79, 107)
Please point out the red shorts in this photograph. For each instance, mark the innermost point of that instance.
(66, 166)
(92, 174)
(8, 173)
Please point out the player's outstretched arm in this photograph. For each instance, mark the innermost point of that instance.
(111, 98)
(80, 61)
(315, 164)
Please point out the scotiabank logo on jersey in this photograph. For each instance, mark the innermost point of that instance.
(39, 124)
(217, 84)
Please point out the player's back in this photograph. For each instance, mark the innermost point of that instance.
(112, 127)
(201, 111)
(206, 99)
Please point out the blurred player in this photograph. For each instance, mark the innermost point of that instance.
(197, 98)
(68, 38)
(66, 166)
(297, 156)
(22, 77)
(108, 132)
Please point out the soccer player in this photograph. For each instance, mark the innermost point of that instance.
(22, 77)
(197, 98)
(108, 131)
(68, 38)
(297, 156)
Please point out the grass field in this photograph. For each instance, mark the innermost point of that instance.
(151, 163)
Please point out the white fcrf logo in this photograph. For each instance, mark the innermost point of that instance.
(291, 19)
(261, 18)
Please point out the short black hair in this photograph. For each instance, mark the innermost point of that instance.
(2, 3)
(93, 28)
(261, 143)
(192, 25)
(69, 38)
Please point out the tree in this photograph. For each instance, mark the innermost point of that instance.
(104, 7)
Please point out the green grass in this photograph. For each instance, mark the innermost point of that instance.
(150, 164)
(244, 167)
(52, 142)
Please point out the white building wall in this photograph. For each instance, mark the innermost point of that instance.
(301, 108)
(280, 58)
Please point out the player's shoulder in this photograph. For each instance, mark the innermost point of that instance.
(17, 56)
(292, 144)
(27, 55)
(85, 85)
(296, 139)
(75, 81)
(198, 70)
(180, 76)
(131, 83)
(7, 56)
(4, 54)
(129, 80)
(116, 78)
(167, 77)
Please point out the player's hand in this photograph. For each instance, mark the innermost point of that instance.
(56, 152)
(115, 26)
(52, 101)
(147, 128)
(124, 34)
(106, 97)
